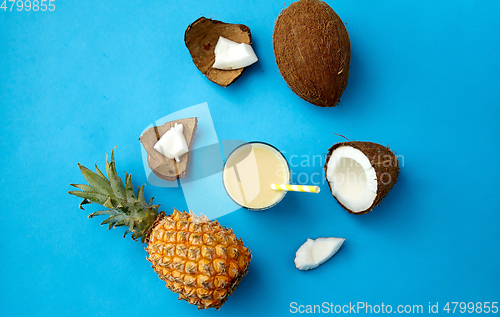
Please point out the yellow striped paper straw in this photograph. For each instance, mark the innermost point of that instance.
(296, 188)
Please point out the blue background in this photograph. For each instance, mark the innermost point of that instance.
(91, 75)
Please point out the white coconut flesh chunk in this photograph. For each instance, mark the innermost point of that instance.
(173, 143)
(313, 253)
(352, 178)
(232, 55)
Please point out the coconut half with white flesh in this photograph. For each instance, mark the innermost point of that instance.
(360, 174)
(313, 253)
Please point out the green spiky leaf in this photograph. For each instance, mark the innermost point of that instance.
(115, 180)
(98, 171)
(113, 219)
(83, 187)
(92, 196)
(108, 203)
(129, 188)
(124, 207)
(106, 212)
(100, 185)
(123, 222)
(140, 196)
(128, 231)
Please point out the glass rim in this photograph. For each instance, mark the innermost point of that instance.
(265, 144)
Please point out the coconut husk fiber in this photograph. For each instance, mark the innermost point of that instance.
(385, 163)
(202, 36)
(160, 165)
(313, 51)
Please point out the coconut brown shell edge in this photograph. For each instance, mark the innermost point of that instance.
(385, 163)
(201, 37)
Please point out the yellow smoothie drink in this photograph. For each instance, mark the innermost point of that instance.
(249, 172)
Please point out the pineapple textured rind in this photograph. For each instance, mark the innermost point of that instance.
(202, 262)
(197, 258)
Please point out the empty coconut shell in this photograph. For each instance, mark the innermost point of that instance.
(159, 164)
(313, 51)
(201, 37)
(360, 174)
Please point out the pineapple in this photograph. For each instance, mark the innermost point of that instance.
(197, 258)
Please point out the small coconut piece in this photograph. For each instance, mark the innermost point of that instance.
(202, 36)
(232, 55)
(162, 166)
(313, 253)
(313, 51)
(360, 174)
(173, 143)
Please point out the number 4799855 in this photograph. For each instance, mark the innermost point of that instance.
(471, 307)
(27, 5)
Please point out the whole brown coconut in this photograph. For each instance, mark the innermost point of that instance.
(360, 174)
(313, 51)
(202, 36)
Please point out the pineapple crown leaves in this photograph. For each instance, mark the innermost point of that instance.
(124, 207)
